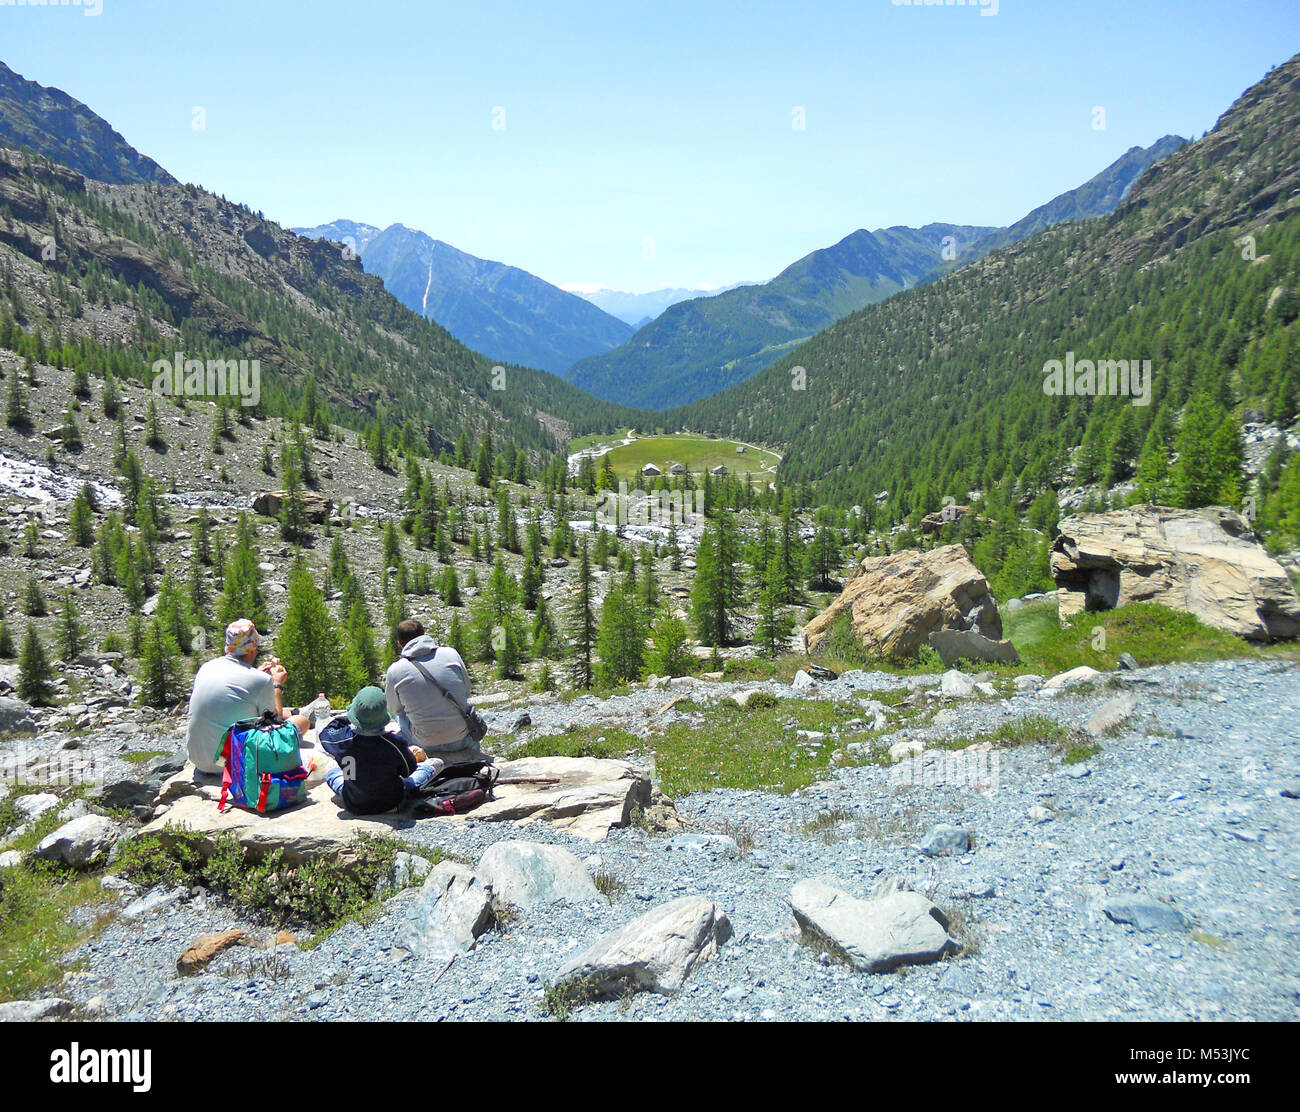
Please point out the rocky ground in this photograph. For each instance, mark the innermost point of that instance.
(1154, 880)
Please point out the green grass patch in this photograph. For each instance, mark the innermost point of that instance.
(38, 927)
(696, 453)
(1152, 634)
(1077, 754)
(1029, 729)
(719, 746)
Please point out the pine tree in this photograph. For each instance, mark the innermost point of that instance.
(16, 414)
(716, 596)
(306, 643)
(81, 518)
(153, 436)
(111, 398)
(33, 599)
(360, 663)
(582, 636)
(620, 644)
(293, 513)
(670, 654)
(70, 633)
(241, 591)
(6, 641)
(161, 675)
(35, 673)
(70, 433)
(772, 634)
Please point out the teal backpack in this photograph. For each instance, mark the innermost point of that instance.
(263, 770)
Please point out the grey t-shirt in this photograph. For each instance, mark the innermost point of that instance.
(226, 691)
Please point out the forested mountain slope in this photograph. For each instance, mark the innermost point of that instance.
(940, 390)
(701, 347)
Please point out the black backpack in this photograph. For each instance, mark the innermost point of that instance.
(456, 789)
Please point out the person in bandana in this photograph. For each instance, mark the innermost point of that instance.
(232, 688)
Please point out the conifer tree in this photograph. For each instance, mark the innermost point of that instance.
(582, 635)
(33, 599)
(69, 632)
(620, 643)
(161, 675)
(306, 642)
(81, 518)
(35, 672)
(670, 654)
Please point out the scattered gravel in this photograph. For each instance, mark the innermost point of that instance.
(1184, 810)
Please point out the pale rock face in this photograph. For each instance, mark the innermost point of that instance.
(528, 875)
(656, 952)
(895, 927)
(1200, 561)
(897, 601)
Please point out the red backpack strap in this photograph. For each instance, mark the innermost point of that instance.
(226, 779)
(261, 795)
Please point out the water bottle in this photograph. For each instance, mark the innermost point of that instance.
(320, 711)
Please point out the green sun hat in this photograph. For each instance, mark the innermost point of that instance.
(369, 710)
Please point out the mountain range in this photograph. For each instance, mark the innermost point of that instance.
(700, 347)
(147, 267)
(941, 389)
(639, 309)
(54, 124)
(502, 311)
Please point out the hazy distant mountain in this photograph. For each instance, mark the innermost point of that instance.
(499, 310)
(639, 309)
(59, 127)
(701, 347)
(349, 232)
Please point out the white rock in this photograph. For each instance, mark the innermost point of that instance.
(878, 935)
(656, 952)
(528, 875)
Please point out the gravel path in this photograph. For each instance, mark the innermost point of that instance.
(1184, 805)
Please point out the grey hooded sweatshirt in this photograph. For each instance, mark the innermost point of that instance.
(425, 716)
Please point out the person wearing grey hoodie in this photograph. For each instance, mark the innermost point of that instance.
(432, 719)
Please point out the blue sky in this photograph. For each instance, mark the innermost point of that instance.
(648, 144)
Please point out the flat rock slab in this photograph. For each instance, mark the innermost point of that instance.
(528, 875)
(1145, 914)
(588, 798)
(1111, 715)
(656, 952)
(877, 935)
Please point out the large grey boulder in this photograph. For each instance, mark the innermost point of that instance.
(527, 875)
(16, 717)
(446, 919)
(892, 929)
(79, 843)
(896, 602)
(656, 952)
(1205, 562)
